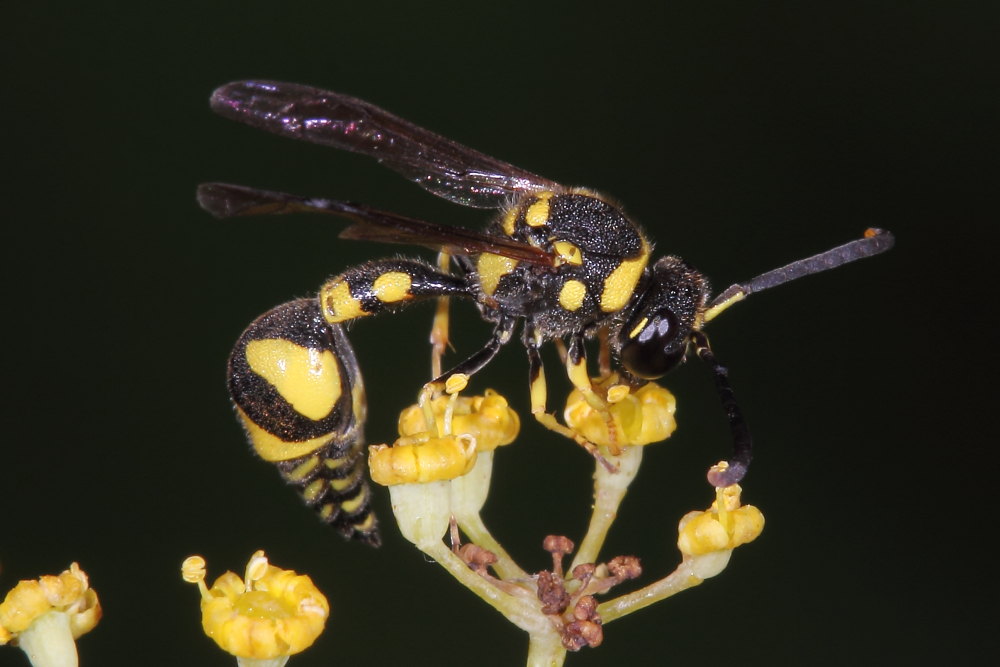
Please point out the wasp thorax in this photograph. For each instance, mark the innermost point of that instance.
(654, 339)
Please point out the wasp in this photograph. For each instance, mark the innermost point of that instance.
(566, 264)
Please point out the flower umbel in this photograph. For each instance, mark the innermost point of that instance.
(269, 615)
(44, 616)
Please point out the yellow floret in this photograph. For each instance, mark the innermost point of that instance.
(68, 593)
(487, 418)
(422, 458)
(273, 613)
(724, 526)
(640, 417)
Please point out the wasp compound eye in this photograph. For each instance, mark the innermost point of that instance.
(654, 348)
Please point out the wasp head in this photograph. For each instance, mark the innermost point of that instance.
(654, 337)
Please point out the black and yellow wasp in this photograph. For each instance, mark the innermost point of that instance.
(566, 263)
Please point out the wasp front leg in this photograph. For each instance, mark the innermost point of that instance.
(539, 395)
(576, 370)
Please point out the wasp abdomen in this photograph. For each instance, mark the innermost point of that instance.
(299, 394)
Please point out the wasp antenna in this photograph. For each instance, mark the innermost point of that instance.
(874, 242)
(739, 462)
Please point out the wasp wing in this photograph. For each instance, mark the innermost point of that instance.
(224, 200)
(439, 165)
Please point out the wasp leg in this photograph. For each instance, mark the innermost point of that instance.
(539, 399)
(738, 464)
(386, 285)
(604, 357)
(439, 328)
(502, 333)
(576, 370)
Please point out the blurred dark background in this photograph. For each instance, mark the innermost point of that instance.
(742, 135)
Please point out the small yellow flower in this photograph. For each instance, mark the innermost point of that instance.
(441, 437)
(640, 417)
(487, 418)
(43, 617)
(269, 614)
(724, 526)
(422, 458)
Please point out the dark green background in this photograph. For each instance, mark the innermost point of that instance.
(742, 135)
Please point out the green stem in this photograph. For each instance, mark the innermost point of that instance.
(524, 611)
(262, 662)
(609, 490)
(468, 495)
(691, 572)
(48, 641)
(472, 525)
(546, 650)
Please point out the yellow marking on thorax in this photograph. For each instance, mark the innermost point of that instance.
(568, 253)
(272, 448)
(392, 286)
(572, 294)
(620, 285)
(538, 213)
(309, 379)
(508, 221)
(491, 268)
(338, 303)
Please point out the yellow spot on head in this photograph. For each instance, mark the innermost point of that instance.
(572, 294)
(638, 328)
(538, 213)
(337, 303)
(392, 286)
(308, 378)
(620, 285)
(491, 268)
